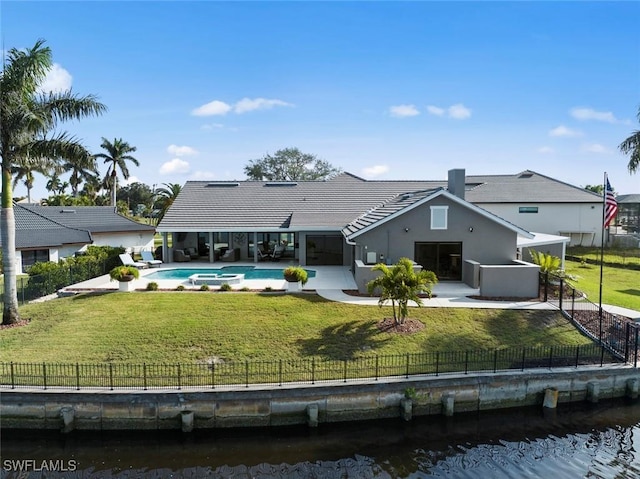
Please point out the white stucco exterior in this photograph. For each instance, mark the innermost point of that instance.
(135, 241)
(581, 222)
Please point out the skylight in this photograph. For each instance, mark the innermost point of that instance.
(222, 184)
(281, 183)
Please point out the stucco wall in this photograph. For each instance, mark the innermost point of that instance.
(488, 243)
(136, 241)
(556, 219)
(515, 280)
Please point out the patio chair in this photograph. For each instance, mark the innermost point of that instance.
(277, 253)
(148, 258)
(179, 256)
(231, 255)
(127, 260)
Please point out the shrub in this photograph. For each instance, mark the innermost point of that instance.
(268, 289)
(245, 288)
(295, 274)
(152, 286)
(180, 287)
(204, 287)
(122, 273)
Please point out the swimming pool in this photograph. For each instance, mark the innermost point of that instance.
(250, 272)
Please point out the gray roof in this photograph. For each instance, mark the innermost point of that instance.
(96, 219)
(334, 203)
(36, 231)
(628, 199)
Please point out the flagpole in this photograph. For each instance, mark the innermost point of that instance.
(604, 202)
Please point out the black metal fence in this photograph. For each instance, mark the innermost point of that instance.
(618, 334)
(304, 371)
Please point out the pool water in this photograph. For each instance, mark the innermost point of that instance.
(250, 272)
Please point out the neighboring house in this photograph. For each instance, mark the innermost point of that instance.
(628, 216)
(350, 221)
(539, 203)
(39, 239)
(48, 233)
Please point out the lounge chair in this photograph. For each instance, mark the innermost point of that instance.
(127, 260)
(277, 253)
(231, 255)
(148, 258)
(179, 256)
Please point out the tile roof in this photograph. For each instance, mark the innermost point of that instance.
(37, 231)
(628, 199)
(96, 219)
(334, 203)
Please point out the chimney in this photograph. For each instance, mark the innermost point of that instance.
(456, 183)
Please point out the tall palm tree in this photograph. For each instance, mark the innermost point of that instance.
(166, 196)
(25, 173)
(632, 146)
(82, 169)
(28, 137)
(117, 156)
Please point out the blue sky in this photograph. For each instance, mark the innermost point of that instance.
(384, 90)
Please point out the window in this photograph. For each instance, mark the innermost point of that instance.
(528, 209)
(439, 217)
(30, 257)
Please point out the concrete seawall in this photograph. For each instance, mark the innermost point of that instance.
(309, 404)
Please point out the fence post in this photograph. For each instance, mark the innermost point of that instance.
(551, 357)
(437, 362)
(179, 377)
(213, 375)
(44, 374)
(313, 370)
(561, 293)
(280, 373)
(524, 352)
(573, 303)
(407, 367)
(13, 384)
(77, 376)
(466, 362)
(345, 370)
(495, 361)
(577, 355)
(377, 367)
(635, 362)
(546, 286)
(246, 372)
(144, 375)
(601, 354)
(627, 340)
(111, 376)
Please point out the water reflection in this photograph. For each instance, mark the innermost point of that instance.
(583, 440)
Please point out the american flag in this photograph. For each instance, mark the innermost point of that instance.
(610, 205)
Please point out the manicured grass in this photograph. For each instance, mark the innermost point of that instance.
(623, 256)
(620, 287)
(184, 327)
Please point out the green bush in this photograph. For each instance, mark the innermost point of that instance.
(180, 287)
(296, 274)
(225, 287)
(152, 286)
(120, 273)
(204, 287)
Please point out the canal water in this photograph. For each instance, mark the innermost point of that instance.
(576, 441)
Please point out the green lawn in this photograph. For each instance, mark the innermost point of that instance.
(623, 256)
(174, 327)
(620, 287)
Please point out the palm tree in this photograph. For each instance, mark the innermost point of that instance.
(82, 169)
(401, 284)
(166, 197)
(25, 173)
(28, 138)
(632, 146)
(116, 156)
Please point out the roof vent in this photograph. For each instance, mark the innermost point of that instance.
(526, 174)
(223, 184)
(281, 183)
(67, 211)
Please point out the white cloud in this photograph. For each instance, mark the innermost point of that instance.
(373, 171)
(57, 80)
(181, 150)
(403, 111)
(435, 110)
(212, 126)
(248, 104)
(175, 167)
(459, 112)
(594, 148)
(212, 108)
(129, 181)
(545, 150)
(563, 131)
(590, 114)
(217, 107)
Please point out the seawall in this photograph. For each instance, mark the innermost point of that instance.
(310, 404)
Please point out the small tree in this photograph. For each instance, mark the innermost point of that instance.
(547, 262)
(401, 284)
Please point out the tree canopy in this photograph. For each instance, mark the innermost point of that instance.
(631, 146)
(290, 164)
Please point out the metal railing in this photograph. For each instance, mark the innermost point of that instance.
(619, 335)
(301, 371)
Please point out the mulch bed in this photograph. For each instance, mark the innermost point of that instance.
(410, 326)
(355, 292)
(22, 322)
